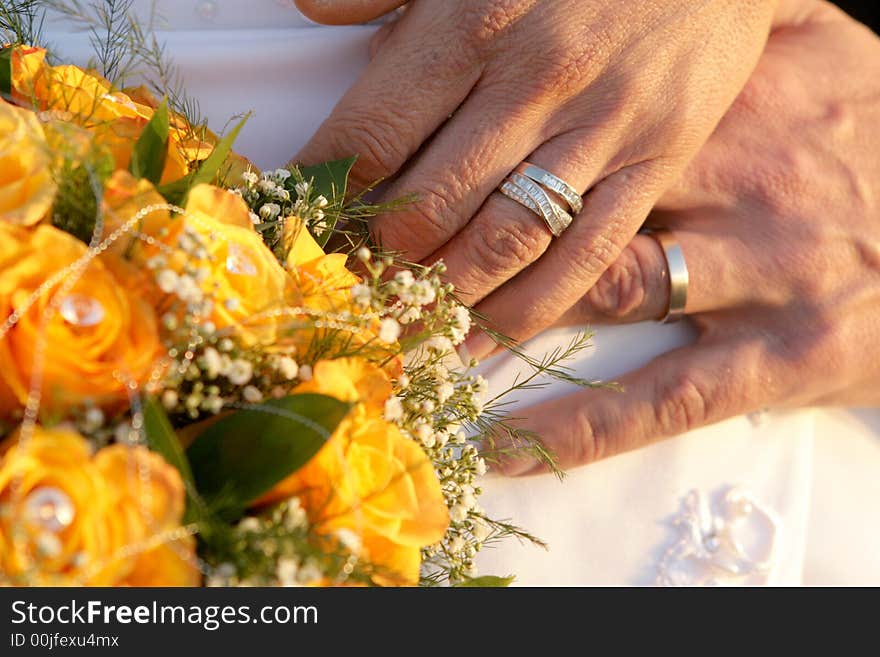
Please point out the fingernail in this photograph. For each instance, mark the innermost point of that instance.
(479, 346)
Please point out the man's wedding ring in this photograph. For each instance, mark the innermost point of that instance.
(676, 266)
(535, 188)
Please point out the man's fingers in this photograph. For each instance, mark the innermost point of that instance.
(505, 237)
(613, 212)
(346, 12)
(408, 90)
(676, 393)
(636, 287)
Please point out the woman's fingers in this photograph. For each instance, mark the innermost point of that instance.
(346, 12)
(676, 393)
(613, 212)
(505, 237)
(408, 90)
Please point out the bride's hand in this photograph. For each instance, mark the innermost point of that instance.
(612, 96)
(779, 221)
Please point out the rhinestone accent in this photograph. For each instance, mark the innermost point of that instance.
(557, 219)
(49, 508)
(237, 262)
(554, 184)
(80, 310)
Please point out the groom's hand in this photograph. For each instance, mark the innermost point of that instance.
(779, 220)
(612, 96)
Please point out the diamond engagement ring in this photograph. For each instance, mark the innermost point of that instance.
(544, 194)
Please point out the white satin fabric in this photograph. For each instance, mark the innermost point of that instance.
(610, 522)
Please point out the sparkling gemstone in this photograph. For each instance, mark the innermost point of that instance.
(80, 310)
(207, 9)
(237, 262)
(49, 508)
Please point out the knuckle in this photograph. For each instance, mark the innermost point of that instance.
(621, 290)
(587, 441)
(590, 258)
(682, 405)
(374, 139)
(485, 21)
(505, 247)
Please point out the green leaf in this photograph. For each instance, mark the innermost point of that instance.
(487, 581)
(331, 181)
(176, 192)
(162, 439)
(148, 157)
(5, 71)
(244, 455)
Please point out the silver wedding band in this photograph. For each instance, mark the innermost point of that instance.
(677, 272)
(534, 188)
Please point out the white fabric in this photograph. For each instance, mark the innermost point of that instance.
(608, 523)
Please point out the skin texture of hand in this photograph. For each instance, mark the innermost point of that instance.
(613, 96)
(779, 218)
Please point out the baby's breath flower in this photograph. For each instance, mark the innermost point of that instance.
(389, 330)
(393, 409)
(239, 372)
(252, 394)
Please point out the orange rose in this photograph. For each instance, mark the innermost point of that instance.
(369, 480)
(72, 518)
(26, 185)
(99, 338)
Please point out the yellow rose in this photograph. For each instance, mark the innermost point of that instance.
(100, 337)
(323, 279)
(67, 516)
(86, 98)
(26, 185)
(246, 283)
(153, 505)
(369, 479)
(124, 197)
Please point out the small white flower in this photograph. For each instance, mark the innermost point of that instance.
(389, 330)
(170, 399)
(403, 381)
(255, 218)
(287, 367)
(305, 372)
(167, 280)
(428, 406)
(393, 409)
(211, 363)
(301, 188)
(404, 278)
(480, 465)
(239, 372)
(322, 202)
(425, 434)
(361, 294)
(444, 392)
(250, 177)
(269, 211)
(281, 174)
(252, 394)
(457, 544)
(226, 345)
(249, 524)
(440, 344)
(364, 254)
(458, 513)
(287, 570)
(188, 289)
(410, 315)
(94, 418)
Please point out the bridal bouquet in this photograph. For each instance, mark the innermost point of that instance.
(207, 375)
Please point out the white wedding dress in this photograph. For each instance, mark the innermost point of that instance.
(780, 498)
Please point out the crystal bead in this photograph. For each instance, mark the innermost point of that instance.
(49, 508)
(81, 310)
(237, 262)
